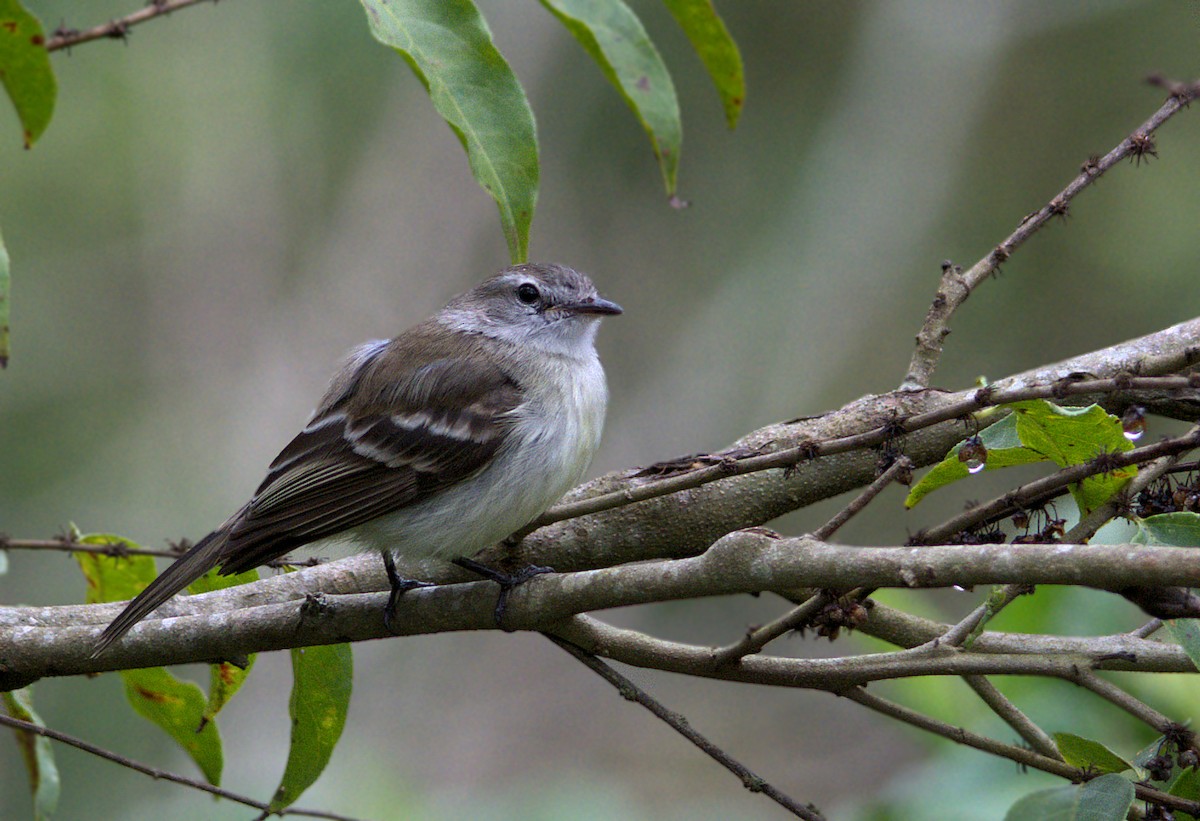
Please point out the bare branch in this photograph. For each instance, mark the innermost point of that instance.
(957, 285)
(1034, 735)
(630, 691)
(155, 772)
(901, 466)
(266, 615)
(117, 29)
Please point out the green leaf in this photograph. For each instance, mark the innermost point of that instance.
(1072, 436)
(1055, 804)
(178, 708)
(225, 678)
(614, 37)
(322, 678)
(449, 47)
(716, 49)
(1107, 798)
(1004, 450)
(1040, 431)
(36, 752)
(1186, 633)
(112, 578)
(5, 283)
(1187, 785)
(1085, 753)
(1181, 529)
(25, 69)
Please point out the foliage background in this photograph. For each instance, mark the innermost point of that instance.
(242, 192)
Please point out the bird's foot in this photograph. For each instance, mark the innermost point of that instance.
(399, 587)
(507, 582)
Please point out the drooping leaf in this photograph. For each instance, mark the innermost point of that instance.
(1186, 633)
(449, 47)
(1054, 804)
(716, 49)
(1088, 754)
(113, 578)
(1179, 529)
(321, 683)
(25, 69)
(36, 752)
(615, 38)
(178, 707)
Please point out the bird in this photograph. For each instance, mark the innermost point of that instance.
(439, 442)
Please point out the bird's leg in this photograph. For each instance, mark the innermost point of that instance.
(399, 587)
(507, 581)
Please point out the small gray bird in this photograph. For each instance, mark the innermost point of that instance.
(440, 442)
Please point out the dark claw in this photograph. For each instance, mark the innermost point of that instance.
(399, 587)
(507, 582)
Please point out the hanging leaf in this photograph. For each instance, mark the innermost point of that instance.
(449, 47)
(716, 49)
(321, 684)
(25, 69)
(37, 753)
(614, 37)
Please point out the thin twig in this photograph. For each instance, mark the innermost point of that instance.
(902, 465)
(155, 772)
(114, 549)
(1148, 629)
(957, 285)
(798, 618)
(1034, 735)
(757, 638)
(1135, 707)
(803, 614)
(632, 692)
(790, 457)
(119, 550)
(116, 29)
(970, 626)
(1021, 755)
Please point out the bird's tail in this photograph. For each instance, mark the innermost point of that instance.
(186, 569)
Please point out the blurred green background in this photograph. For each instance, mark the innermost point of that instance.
(242, 192)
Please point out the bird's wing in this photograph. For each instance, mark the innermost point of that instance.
(354, 463)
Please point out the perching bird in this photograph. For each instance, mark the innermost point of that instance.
(439, 442)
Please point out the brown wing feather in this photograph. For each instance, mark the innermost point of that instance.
(354, 463)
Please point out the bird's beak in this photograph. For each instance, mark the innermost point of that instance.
(596, 305)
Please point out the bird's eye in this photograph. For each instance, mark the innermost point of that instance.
(528, 293)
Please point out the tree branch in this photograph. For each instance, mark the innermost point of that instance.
(269, 615)
(156, 773)
(118, 29)
(629, 690)
(957, 285)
